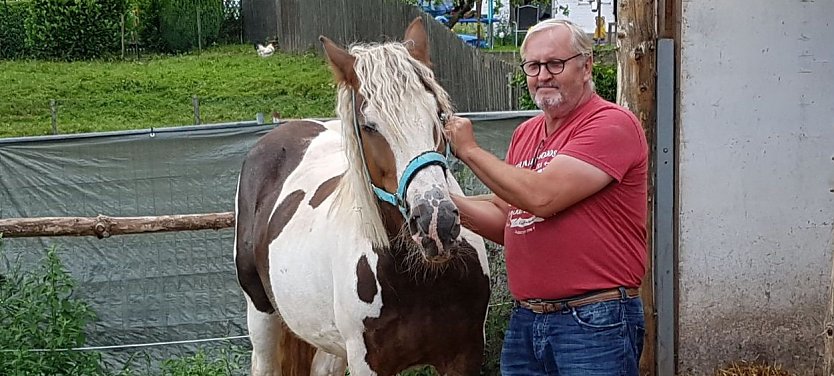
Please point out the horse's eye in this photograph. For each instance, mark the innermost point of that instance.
(369, 127)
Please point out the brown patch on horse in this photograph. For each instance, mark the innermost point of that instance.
(365, 281)
(324, 191)
(295, 356)
(265, 169)
(427, 317)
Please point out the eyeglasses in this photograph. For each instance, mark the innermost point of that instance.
(533, 68)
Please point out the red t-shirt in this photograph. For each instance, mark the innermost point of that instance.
(600, 242)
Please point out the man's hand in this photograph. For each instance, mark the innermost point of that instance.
(461, 136)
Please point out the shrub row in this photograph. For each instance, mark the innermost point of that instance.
(88, 29)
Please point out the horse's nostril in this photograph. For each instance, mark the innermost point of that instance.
(412, 224)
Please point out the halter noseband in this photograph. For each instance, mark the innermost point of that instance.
(423, 160)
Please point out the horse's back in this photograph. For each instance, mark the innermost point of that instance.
(266, 198)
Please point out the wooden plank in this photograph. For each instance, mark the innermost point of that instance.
(828, 334)
(636, 90)
(103, 226)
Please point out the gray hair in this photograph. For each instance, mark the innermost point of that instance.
(580, 41)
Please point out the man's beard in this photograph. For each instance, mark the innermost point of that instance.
(550, 101)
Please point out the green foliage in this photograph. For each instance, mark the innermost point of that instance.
(227, 362)
(147, 13)
(13, 29)
(605, 79)
(178, 24)
(74, 29)
(38, 311)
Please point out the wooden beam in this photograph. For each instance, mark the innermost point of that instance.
(636, 38)
(828, 334)
(103, 226)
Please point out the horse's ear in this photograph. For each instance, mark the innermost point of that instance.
(417, 41)
(341, 62)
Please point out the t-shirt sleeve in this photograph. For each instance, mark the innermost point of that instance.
(610, 140)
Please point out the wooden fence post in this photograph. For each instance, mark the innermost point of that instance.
(199, 32)
(828, 321)
(123, 35)
(636, 90)
(53, 108)
(195, 101)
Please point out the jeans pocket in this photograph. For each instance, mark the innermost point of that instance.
(603, 315)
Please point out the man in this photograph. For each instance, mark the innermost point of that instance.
(569, 205)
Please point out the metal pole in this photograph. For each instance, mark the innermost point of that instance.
(665, 270)
(53, 107)
(196, 103)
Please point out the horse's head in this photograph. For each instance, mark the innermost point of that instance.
(391, 109)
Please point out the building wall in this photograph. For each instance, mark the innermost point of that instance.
(756, 140)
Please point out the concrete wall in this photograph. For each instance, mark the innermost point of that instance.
(756, 140)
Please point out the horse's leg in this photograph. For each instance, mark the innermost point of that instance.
(356, 358)
(265, 334)
(326, 364)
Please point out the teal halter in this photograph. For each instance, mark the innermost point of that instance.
(425, 159)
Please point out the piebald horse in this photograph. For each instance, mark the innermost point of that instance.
(348, 247)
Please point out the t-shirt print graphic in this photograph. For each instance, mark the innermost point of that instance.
(522, 222)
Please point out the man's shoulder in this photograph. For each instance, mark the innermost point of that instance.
(529, 125)
(605, 108)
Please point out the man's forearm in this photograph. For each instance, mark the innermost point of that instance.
(512, 184)
(482, 216)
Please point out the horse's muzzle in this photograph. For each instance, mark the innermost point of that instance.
(435, 225)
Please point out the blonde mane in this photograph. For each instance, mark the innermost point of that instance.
(392, 83)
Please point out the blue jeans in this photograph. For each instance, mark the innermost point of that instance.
(597, 339)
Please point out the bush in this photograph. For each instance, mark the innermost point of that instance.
(13, 29)
(74, 29)
(38, 311)
(178, 23)
(149, 32)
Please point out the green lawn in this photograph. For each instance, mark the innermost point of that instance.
(232, 83)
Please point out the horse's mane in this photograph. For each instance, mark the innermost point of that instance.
(394, 84)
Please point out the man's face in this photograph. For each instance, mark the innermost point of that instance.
(556, 94)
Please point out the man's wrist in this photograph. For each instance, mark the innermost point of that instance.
(466, 153)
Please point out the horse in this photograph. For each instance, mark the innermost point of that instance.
(348, 247)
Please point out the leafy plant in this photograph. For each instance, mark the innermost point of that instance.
(178, 23)
(74, 29)
(227, 362)
(39, 319)
(13, 29)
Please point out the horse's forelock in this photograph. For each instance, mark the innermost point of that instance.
(389, 77)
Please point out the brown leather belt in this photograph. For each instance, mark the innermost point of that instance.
(550, 306)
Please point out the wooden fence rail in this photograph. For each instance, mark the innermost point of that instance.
(103, 226)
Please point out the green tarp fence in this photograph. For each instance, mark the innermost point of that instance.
(156, 287)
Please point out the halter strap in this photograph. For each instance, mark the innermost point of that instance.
(425, 159)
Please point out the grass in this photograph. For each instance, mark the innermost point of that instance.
(232, 84)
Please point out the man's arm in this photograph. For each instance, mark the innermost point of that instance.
(564, 182)
(485, 215)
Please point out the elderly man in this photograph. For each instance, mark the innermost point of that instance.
(569, 205)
